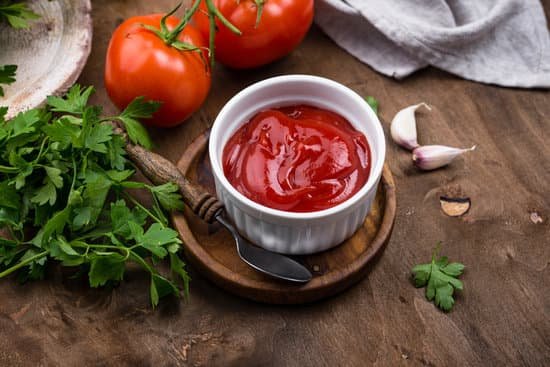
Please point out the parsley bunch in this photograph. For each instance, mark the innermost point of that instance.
(440, 279)
(63, 181)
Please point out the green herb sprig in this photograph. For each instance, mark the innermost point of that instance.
(440, 279)
(7, 76)
(373, 103)
(17, 14)
(64, 177)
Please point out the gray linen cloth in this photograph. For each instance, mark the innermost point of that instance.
(503, 42)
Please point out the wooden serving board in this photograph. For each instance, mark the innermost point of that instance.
(212, 250)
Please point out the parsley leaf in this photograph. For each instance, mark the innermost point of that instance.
(64, 130)
(168, 195)
(116, 152)
(74, 102)
(156, 238)
(138, 109)
(162, 287)
(453, 269)
(23, 123)
(45, 194)
(105, 267)
(7, 76)
(121, 216)
(65, 247)
(83, 217)
(17, 14)
(373, 103)
(97, 138)
(3, 112)
(178, 267)
(440, 279)
(9, 198)
(120, 175)
(54, 175)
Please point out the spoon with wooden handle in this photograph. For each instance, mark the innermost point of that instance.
(159, 170)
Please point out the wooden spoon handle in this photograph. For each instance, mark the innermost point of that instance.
(160, 170)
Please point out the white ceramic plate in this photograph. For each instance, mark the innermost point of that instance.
(49, 55)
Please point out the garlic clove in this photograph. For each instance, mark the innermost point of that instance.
(430, 157)
(403, 126)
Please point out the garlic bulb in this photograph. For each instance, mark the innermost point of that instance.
(430, 157)
(403, 126)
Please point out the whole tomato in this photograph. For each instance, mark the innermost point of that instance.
(281, 27)
(140, 63)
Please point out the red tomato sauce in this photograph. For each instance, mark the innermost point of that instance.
(298, 159)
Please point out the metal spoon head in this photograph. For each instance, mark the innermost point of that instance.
(270, 263)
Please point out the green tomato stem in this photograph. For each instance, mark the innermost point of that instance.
(213, 12)
(260, 6)
(211, 41)
(163, 27)
(171, 37)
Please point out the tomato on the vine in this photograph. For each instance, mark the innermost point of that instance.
(148, 59)
(270, 29)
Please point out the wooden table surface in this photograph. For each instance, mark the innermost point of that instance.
(502, 318)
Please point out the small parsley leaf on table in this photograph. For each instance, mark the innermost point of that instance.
(440, 279)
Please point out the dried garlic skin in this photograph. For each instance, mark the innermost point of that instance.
(403, 126)
(429, 157)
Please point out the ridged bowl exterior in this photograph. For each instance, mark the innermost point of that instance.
(288, 232)
(290, 236)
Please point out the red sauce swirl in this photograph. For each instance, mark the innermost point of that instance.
(298, 159)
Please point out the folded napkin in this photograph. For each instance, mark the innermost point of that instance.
(503, 42)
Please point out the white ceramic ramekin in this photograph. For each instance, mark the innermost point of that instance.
(288, 232)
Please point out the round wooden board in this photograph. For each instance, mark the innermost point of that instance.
(49, 55)
(212, 250)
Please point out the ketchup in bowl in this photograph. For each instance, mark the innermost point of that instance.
(298, 159)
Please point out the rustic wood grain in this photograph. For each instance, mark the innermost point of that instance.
(49, 55)
(501, 319)
(211, 249)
